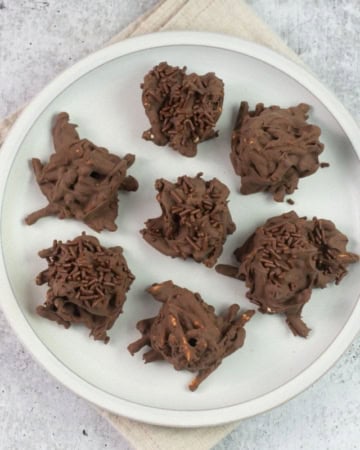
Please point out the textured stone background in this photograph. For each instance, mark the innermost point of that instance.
(38, 39)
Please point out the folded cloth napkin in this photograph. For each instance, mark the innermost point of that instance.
(232, 17)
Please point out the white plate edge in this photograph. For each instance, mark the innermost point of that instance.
(39, 350)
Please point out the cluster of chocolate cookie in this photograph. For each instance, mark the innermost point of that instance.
(280, 263)
(87, 284)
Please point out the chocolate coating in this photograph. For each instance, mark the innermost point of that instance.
(283, 260)
(271, 148)
(188, 334)
(81, 180)
(87, 284)
(182, 109)
(195, 219)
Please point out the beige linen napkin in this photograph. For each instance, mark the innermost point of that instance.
(233, 17)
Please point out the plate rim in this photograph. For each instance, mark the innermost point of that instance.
(23, 330)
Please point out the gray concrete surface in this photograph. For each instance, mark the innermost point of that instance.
(37, 40)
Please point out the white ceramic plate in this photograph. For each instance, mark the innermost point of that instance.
(102, 95)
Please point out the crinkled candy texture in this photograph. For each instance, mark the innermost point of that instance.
(182, 109)
(188, 334)
(195, 219)
(81, 180)
(283, 260)
(271, 148)
(87, 284)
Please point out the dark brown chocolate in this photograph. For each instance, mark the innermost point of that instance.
(283, 260)
(182, 109)
(87, 284)
(273, 147)
(81, 180)
(195, 219)
(188, 334)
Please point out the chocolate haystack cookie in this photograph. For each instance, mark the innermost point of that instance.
(188, 334)
(182, 109)
(87, 284)
(285, 259)
(81, 180)
(271, 148)
(195, 219)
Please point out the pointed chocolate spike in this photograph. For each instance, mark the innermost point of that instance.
(348, 258)
(229, 271)
(64, 133)
(160, 291)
